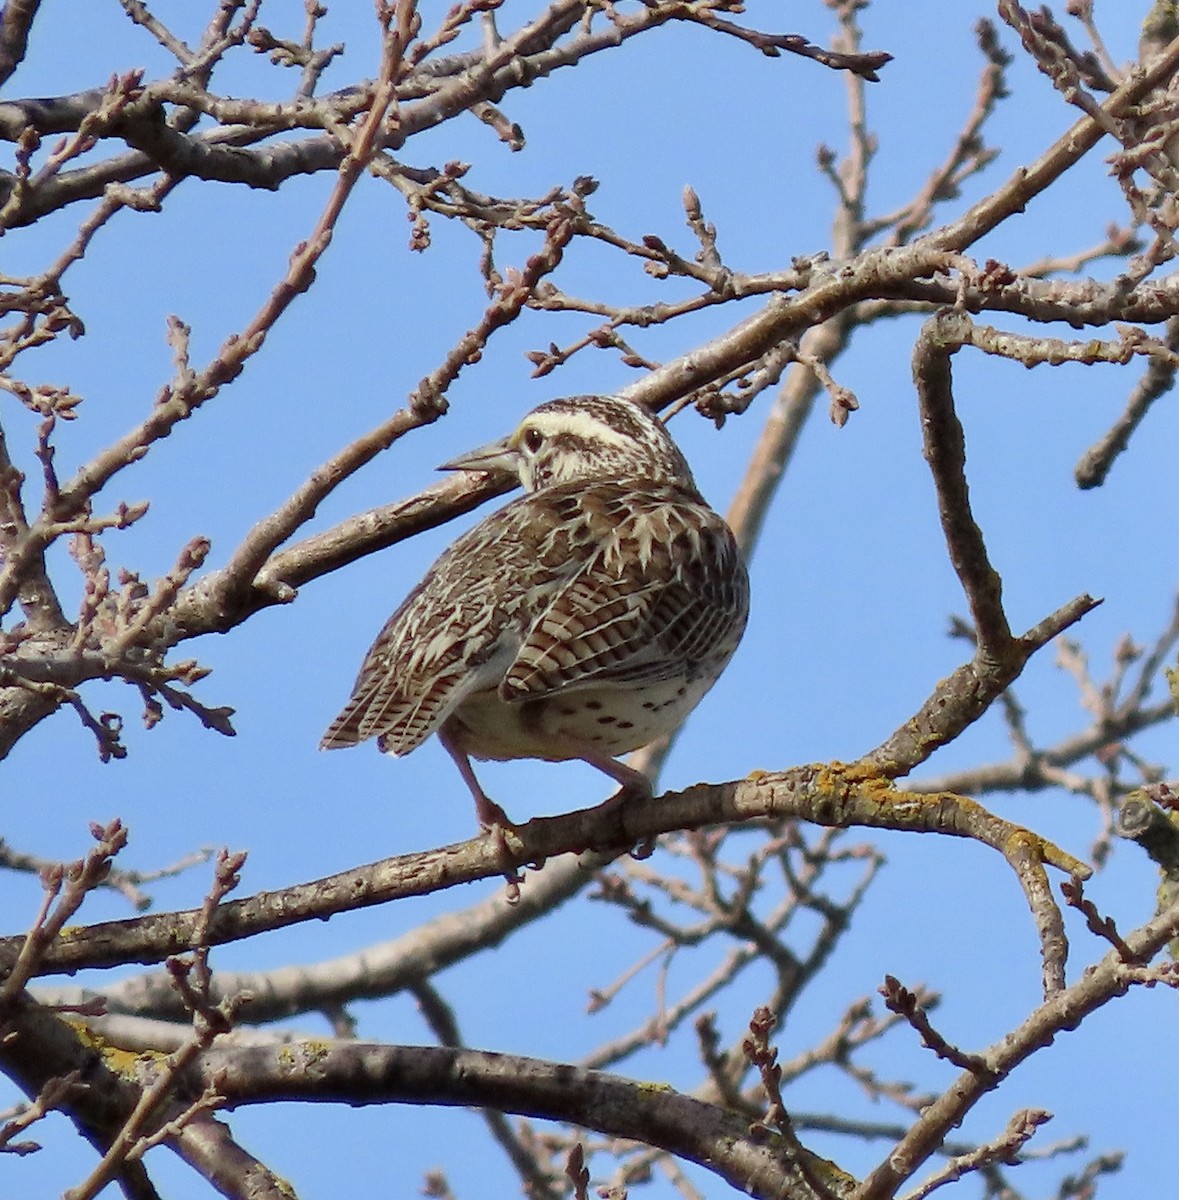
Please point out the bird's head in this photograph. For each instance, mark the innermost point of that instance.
(583, 437)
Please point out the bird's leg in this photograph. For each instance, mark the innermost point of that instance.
(635, 785)
(490, 815)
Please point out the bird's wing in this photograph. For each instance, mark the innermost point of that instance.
(424, 661)
(456, 633)
(661, 594)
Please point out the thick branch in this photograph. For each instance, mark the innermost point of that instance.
(16, 19)
(960, 700)
(826, 794)
(944, 445)
(1106, 981)
(359, 1073)
(380, 970)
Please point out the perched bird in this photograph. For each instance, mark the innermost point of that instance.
(581, 621)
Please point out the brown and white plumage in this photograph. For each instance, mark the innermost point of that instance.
(582, 620)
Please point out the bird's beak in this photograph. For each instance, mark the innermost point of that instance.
(500, 458)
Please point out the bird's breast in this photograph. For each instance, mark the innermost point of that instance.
(614, 719)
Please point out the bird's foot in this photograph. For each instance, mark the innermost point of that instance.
(495, 822)
(491, 816)
(636, 789)
(633, 791)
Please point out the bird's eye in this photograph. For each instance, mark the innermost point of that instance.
(533, 440)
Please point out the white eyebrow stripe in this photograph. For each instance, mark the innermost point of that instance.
(581, 425)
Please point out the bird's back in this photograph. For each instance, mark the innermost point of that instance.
(582, 584)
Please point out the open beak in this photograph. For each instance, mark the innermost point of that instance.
(500, 458)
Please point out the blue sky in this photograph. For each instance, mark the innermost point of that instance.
(852, 588)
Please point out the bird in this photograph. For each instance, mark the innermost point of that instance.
(582, 620)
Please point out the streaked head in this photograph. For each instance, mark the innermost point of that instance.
(583, 437)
